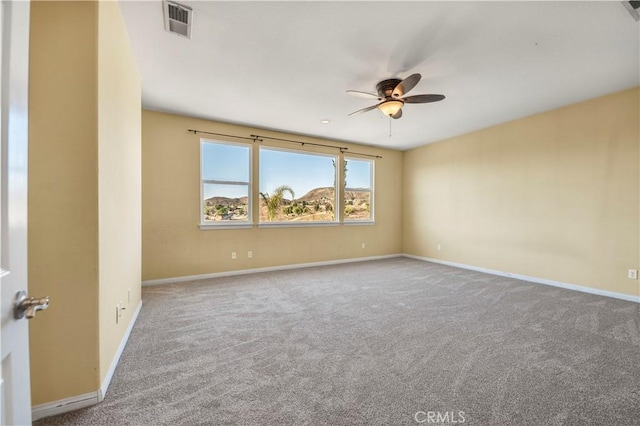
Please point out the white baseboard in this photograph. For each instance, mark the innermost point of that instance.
(107, 380)
(575, 287)
(266, 269)
(64, 405)
(88, 399)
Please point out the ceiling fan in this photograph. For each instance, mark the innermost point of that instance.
(391, 96)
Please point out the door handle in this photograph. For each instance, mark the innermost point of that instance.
(28, 306)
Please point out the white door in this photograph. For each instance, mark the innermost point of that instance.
(14, 77)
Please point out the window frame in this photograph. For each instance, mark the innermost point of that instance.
(337, 179)
(232, 223)
(371, 190)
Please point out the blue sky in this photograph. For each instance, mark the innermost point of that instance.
(358, 173)
(300, 171)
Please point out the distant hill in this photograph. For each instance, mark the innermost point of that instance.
(318, 194)
(224, 201)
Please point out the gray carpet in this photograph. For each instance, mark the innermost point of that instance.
(374, 343)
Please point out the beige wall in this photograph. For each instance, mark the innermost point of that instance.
(63, 198)
(84, 113)
(174, 246)
(119, 181)
(553, 196)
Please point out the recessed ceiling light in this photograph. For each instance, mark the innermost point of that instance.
(325, 121)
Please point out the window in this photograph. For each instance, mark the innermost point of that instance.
(297, 187)
(225, 172)
(358, 190)
(293, 187)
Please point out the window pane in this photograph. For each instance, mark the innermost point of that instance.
(296, 187)
(225, 162)
(358, 189)
(225, 203)
(358, 174)
(357, 205)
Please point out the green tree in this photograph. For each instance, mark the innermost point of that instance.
(273, 201)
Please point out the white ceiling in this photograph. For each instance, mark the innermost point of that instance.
(286, 65)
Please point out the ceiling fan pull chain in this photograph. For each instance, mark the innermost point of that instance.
(390, 126)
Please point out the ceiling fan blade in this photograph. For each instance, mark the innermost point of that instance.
(397, 114)
(422, 99)
(363, 94)
(363, 110)
(405, 85)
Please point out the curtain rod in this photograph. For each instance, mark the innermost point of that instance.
(341, 148)
(259, 138)
(195, 132)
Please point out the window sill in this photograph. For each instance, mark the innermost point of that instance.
(208, 226)
(296, 224)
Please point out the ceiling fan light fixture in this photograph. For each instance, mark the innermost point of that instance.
(392, 94)
(391, 107)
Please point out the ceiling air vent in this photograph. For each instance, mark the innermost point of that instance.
(177, 18)
(634, 8)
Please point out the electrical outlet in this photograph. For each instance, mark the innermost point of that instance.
(633, 274)
(249, 254)
(439, 247)
(233, 255)
(363, 245)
